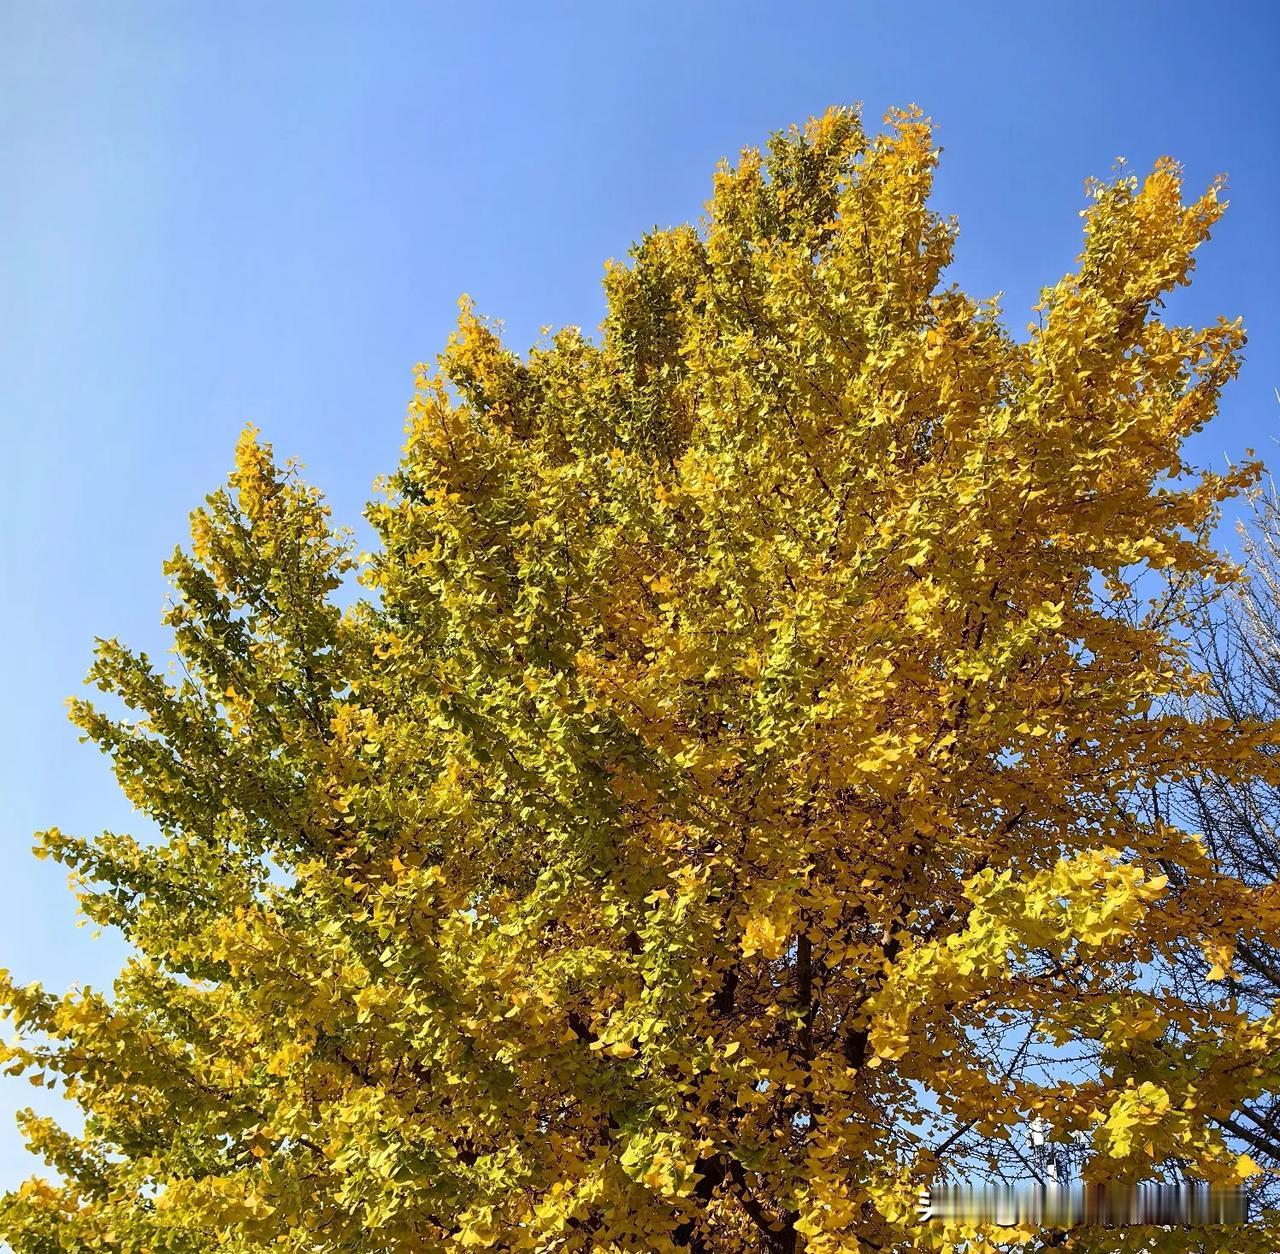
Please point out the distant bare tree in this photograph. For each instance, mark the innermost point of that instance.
(1237, 645)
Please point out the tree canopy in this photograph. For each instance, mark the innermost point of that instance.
(719, 812)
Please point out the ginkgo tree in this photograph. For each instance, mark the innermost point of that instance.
(722, 790)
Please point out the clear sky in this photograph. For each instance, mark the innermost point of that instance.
(223, 212)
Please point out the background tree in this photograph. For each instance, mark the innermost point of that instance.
(724, 793)
(1236, 646)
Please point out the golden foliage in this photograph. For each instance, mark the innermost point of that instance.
(735, 748)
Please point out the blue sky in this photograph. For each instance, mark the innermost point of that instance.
(216, 213)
